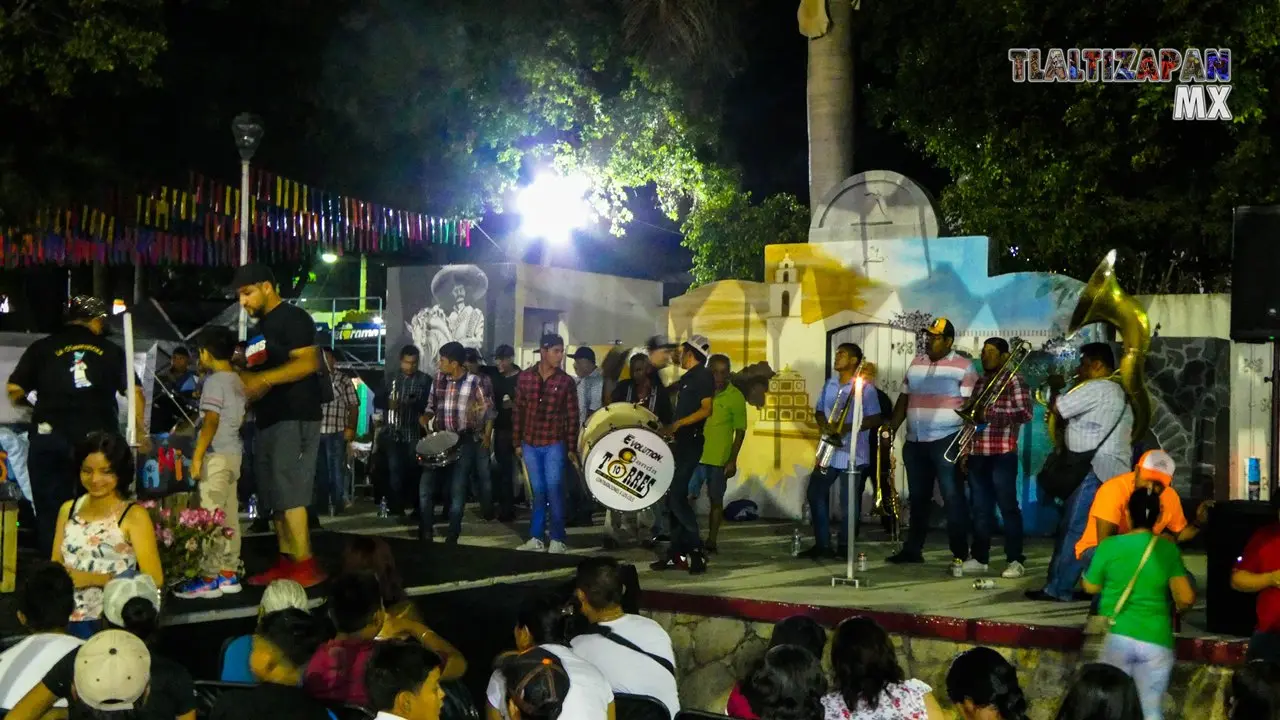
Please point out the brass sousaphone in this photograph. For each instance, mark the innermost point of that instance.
(1103, 301)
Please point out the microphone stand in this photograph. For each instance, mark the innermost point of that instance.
(850, 578)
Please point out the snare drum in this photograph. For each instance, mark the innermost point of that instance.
(438, 449)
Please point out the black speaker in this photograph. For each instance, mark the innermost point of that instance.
(1255, 263)
(1231, 524)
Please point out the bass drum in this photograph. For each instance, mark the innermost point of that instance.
(629, 469)
(611, 417)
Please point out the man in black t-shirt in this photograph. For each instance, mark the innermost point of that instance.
(697, 390)
(282, 383)
(76, 375)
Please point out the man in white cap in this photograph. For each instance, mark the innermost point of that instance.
(693, 407)
(113, 671)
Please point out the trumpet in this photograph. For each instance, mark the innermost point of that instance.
(831, 442)
(991, 393)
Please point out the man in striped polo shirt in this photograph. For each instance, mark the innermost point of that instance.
(937, 385)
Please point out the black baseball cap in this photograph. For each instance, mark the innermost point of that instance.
(943, 327)
(660, 342)
(504, 351)
(584, 353)
(551, 340)
(252, 274)
(86, 307)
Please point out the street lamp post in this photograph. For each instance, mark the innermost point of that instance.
(247, 131)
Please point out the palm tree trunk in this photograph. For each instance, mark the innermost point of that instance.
(830, 102)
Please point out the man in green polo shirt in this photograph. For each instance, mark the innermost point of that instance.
(724, 432)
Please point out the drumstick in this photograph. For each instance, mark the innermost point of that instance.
(528, 487)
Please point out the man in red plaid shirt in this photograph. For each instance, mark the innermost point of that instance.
(545, 437)
(993, 465)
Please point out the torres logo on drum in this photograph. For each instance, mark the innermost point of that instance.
(629, 469)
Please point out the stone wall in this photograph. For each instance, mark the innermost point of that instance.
(713, 652)
(1190, 383)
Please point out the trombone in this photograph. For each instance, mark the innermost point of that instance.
(991, 392)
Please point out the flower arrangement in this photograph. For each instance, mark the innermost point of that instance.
(183, 536)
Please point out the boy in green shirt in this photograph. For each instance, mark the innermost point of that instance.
(723, 432)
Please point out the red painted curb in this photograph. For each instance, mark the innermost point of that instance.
(1207, 651)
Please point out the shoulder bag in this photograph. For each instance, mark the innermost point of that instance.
(1098, 627)
(1064, 470)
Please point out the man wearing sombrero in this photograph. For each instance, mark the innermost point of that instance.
(454, 317)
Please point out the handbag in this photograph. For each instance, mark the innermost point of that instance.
(1064, 470)
(1097, 627)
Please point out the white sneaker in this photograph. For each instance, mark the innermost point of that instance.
(1015, 570)
(557, 547)
(973, 567)
(533, 545)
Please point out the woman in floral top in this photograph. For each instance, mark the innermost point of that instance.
(870, 684)
(103, 534)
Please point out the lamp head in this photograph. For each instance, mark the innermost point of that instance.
(247, 130)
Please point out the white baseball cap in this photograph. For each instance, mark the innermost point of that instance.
(112, 671)
(1157, 465)
(123, 589)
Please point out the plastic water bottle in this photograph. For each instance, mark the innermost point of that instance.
(1253, 476)
(253, 507)
(383, 511)
(796, 542)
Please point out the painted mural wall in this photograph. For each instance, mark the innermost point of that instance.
(881, 294)
(430, 305)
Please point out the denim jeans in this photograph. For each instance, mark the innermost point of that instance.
(713, 477)
(457, 475)
(401, 464)
(1065, 569)
(55, 479)
(819, 496)
(331, 472)
(925, 465)
(546, 467)
(993, 481)
(685, 536)
(482, 475)
(1147, 663)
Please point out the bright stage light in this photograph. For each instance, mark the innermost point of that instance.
(329, 258)
(553, 206)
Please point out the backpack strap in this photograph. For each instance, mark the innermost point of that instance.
(608, 634)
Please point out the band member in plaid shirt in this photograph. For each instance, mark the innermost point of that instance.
(458, 402)
(403, 400)
(545, 435)
(337, 430)
(993, 465)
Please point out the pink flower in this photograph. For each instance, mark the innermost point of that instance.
(166, 513)
(166, 537)
(228, 533)
(219, 517)
(149, 504)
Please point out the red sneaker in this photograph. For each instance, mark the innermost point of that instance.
(282, 569)
(307, 573)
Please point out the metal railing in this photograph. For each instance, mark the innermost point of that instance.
(352, 327)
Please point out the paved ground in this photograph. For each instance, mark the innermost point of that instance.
(755, 563)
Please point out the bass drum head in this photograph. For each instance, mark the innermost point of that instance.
(629, 469)
(610, 418)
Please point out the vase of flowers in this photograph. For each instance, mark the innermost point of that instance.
(184, 536)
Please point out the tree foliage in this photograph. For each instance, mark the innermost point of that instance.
(1057, 174)
(729, 233)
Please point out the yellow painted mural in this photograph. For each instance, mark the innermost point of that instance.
(731, 313)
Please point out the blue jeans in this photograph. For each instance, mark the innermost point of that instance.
(993, 481)
(925, 465)
(1065, 569)
(713, 477)
(819, 495)
(546, 467)
(457, 475)
(331, 471)
(1149, 665)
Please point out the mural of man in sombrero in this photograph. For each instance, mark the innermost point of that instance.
(457, 290)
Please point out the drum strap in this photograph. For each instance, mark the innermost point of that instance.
(608, 634)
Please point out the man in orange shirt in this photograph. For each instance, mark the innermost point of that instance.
(1108, 515)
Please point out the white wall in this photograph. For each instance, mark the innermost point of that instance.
(595, 309)
(1210, 316)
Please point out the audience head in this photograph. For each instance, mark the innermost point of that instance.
(215, 344)
(111, 676)
(1255, 692)
(536, 685)
(541, 620)
(985, 686)
(863, 661)
(282, 595)
(106, 465)
(283, 644)
(788, 685)
(355, 605)
(1144, 508)
(48, 597)
(372, 554)
(133, 604)
(598, 587)
(800, 630)
(1154, 470)
(1101, 692)
(403, 678)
